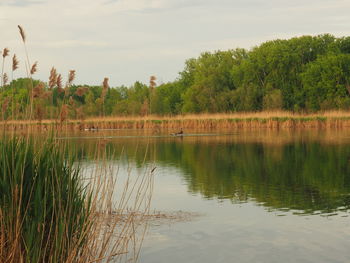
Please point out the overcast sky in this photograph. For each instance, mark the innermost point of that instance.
(129, 40)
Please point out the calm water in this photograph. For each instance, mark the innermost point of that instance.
(262, 196)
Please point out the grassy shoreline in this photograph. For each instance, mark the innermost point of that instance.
(277, 119)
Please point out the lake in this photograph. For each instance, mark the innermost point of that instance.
(250, 196)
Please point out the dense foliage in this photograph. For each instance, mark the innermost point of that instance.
(44, 208)
(307, 73)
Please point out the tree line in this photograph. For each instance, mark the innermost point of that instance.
(308, 73)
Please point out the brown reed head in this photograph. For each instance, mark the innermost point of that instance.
(23, 35)
(5, 52)
(152, 81)
(15, 62)
(105, 83)
(5, 79)
(34, 67)
(52, 78)
(71, 76)
(59, 81)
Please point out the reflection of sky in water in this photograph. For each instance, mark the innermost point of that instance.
(239, 233)
(263, 226)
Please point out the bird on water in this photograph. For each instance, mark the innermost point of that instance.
(180, 133)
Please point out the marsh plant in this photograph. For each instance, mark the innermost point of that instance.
(53, 208)
(44, 209)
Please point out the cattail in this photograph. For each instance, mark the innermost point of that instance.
(23, 35)
(5, 52)
(15, 63)
(71, 76)
(52, 78)
(5, 78)
(34, 68)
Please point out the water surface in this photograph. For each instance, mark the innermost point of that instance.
(263, 196)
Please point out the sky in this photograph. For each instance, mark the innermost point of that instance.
(130, 40)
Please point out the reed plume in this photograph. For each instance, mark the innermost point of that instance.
(5, 53)
(105, 83)
(15, 62)
(5, 79)
(33, 69)
(28, 69)
(52, 78)
(22, 33)
(152, 82)
(152, 85)
(59, 83)
(71, 77)
(105, 87)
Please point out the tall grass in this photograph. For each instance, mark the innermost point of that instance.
(52, 207)
(44, 208)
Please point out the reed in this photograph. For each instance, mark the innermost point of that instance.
(52, 207)
(44, 208)
(5, 53)
(53, 211)
(253, 120)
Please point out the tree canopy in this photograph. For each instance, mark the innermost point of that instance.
(307, 73)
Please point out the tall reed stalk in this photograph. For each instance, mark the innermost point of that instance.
(53, 210)
(44, 208)
(30, 71)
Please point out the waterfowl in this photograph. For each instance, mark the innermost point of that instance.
(180, 133)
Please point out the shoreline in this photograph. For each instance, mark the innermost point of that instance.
(270, 120)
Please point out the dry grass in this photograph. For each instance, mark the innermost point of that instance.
(119, 209)
(273, 119)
